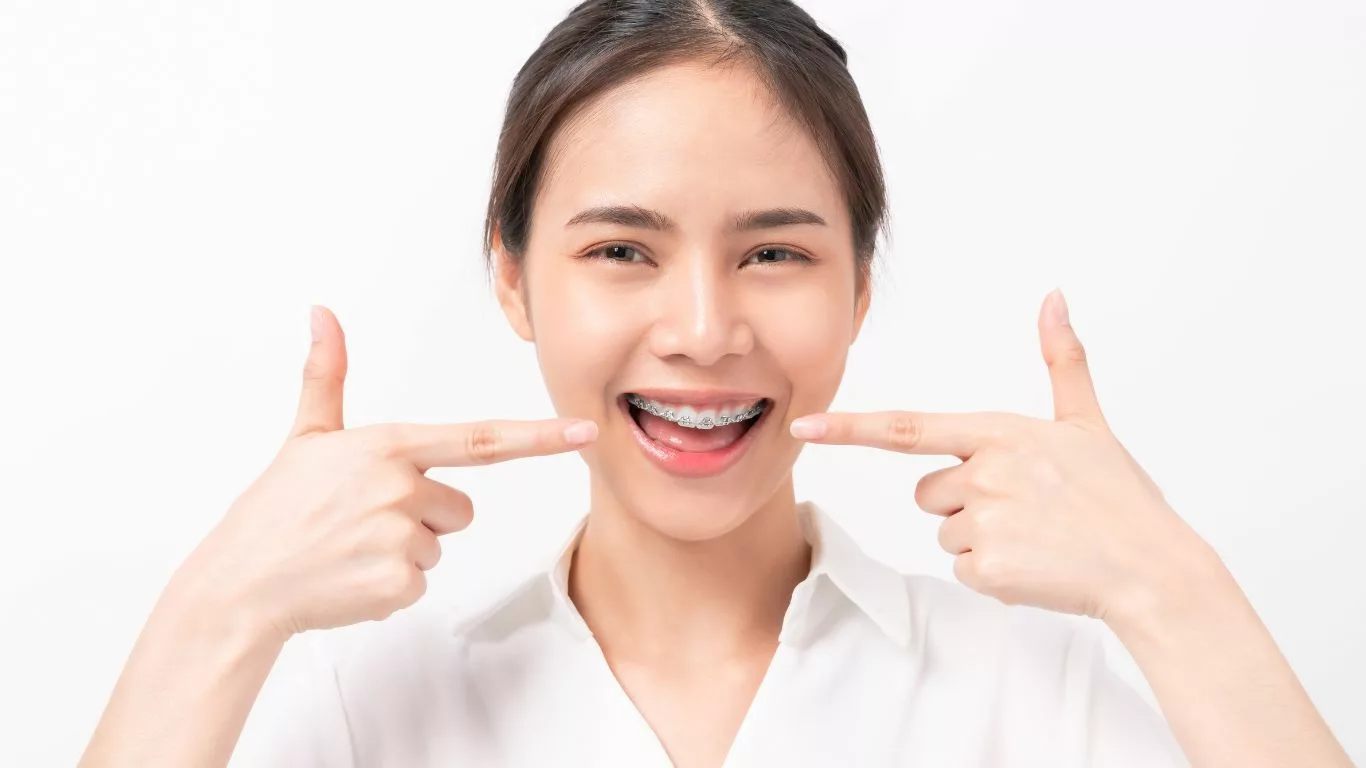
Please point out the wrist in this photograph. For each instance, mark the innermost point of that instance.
(1182, 592)
(205, 604)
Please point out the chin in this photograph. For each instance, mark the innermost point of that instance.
(693, 517)
(691, 510)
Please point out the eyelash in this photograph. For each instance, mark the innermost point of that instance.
(600, 253)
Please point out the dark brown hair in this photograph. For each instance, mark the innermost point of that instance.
(603, 43)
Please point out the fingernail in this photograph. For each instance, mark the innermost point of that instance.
(807, 428)
(315, 322)
(580, 432)
(1060, 308)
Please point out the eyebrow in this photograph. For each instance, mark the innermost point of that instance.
(645, 218)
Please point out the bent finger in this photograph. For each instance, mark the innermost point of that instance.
(441, 508)
(956, 533)
(943, 491)
(424, 549)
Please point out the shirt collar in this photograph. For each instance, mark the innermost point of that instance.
(873, 587)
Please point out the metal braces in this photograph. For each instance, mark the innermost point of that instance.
(705, 422)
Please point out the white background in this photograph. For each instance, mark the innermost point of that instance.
(178, 181)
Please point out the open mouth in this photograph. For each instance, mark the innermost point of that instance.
(694, 439)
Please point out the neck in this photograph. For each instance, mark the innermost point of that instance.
(649, 595)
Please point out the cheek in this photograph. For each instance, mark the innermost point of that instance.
(809, 337)
(582, 338)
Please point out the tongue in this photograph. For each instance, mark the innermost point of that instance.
(687, 439)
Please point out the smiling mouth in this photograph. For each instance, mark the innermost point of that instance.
(694, 440)
(700, 417)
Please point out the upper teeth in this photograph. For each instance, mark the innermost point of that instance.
(706, 418)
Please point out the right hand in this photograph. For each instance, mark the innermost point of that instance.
(343, 524)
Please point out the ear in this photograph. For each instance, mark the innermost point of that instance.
(862, 299)
(509, 283)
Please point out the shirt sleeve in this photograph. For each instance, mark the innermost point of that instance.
(1123, 730)
(298, 720)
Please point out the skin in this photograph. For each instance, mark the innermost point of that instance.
(1052, 513)
(339, 529)
(680, 579)
(1057, 514)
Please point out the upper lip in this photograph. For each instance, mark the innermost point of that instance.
(696, 397)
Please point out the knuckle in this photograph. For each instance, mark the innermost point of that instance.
(414, 586)
(922, 492)
(1049, 476)
(991, 571)
(934, 490)
(1074, 353)
(984, 477)
(1004, 427)
(382, 490)
(464, 507)
(400, 489)
(419, 537)
(963, 571)
(434, 557)
(991, 474)
(461, 519)
(380, 441)
(393, 531)
(904, 432)
(945, 535)
(400, 580)
(483, 443)
(982, 522)
(317, 371)
(960, 531)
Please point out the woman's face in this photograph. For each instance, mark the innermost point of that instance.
(688, 247)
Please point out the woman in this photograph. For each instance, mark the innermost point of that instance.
(685, 204)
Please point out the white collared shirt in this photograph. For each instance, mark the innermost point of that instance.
(873, 668)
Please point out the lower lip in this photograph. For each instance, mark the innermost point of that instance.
(692, 463)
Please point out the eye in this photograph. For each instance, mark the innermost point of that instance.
(775, 256)
(619, 253)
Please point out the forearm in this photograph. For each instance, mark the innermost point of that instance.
(1223, 685)
(187, 688)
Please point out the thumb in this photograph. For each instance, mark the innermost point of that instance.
(1074, 394)
(320, 403)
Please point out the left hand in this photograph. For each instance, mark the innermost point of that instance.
(1050, 513)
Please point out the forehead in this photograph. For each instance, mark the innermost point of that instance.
(691, 140)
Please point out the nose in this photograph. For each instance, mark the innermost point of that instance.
(700, 313)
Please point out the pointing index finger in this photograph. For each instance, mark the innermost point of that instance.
(940, 434)
(487, 442)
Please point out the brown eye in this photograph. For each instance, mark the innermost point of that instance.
(618, 253)
(774, 256)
